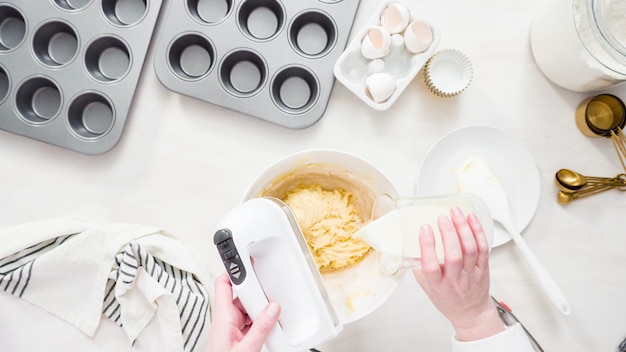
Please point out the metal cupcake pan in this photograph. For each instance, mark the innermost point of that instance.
(69, 68)
(270, 59)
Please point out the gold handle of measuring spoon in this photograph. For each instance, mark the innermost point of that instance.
(619, 143)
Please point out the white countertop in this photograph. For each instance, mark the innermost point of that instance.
(182, 163)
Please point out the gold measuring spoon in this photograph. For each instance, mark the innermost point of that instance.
(569, 181)
(574, 185)
(567, 197)
(604, 116)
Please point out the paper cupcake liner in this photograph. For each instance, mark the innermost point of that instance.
(448, 72)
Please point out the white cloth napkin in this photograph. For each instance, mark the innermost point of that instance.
(139, 276)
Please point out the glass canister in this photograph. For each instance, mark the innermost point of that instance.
(580, 45)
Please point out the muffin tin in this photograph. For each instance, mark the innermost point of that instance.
(271, 59)
(69, 68)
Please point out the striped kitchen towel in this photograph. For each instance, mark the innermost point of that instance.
(140, 277)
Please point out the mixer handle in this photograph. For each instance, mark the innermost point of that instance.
(253, 297)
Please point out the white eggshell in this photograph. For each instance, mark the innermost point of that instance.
(380, 86)
(418, 36)
(395, 17)
(376, 43)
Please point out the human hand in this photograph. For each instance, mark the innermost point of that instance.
(232, 330)
(459, 288)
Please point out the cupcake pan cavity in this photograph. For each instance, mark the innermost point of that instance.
(69, 68)
(12, 28)
(270, 59)
(5, 84)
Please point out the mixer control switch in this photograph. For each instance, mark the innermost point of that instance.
(235, 270)
(230, 254)
(223, 240)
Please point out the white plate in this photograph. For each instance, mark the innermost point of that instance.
(508, 159)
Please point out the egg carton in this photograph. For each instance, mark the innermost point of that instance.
(69, 68)
(384, 57)
(271, 59)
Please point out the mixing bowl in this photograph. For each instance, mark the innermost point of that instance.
(357, 290)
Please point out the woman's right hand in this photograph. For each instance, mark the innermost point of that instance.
(459, 288)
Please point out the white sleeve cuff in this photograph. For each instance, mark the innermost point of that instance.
(512, 339)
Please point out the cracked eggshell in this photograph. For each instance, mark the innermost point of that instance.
(376, 43)
(418, 37)
(380, 86)
(395, 17)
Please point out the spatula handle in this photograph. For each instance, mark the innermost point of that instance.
(550, 287)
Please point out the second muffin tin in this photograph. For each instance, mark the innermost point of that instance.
(69, 68)
(269, 59)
